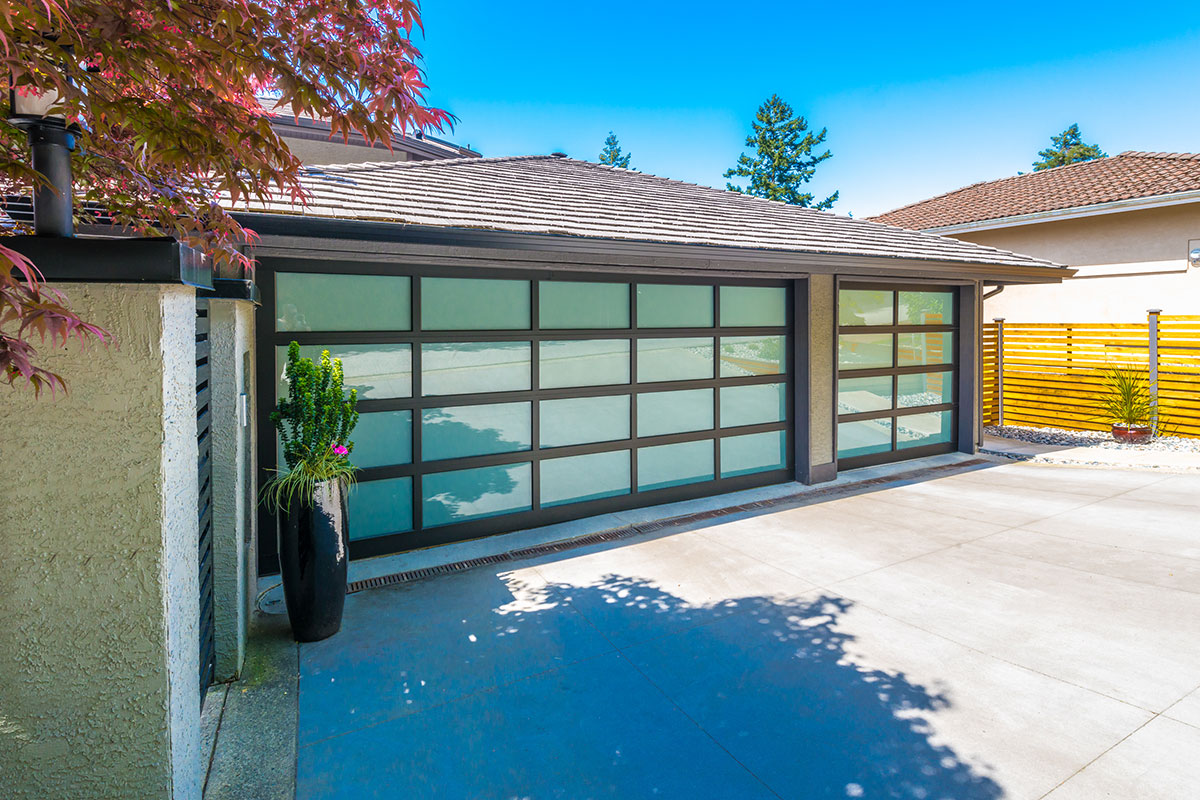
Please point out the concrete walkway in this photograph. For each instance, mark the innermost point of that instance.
(1000, 631)
(1091, 456)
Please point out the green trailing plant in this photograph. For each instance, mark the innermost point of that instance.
(314, 423)
(1125, 398)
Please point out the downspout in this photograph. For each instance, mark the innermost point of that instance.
(993, 292)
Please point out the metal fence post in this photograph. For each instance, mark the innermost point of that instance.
(999, 370)
(1153, 359)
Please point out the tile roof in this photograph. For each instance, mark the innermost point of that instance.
(1126, 176)
(563, 196)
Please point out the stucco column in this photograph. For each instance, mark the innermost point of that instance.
(816, 370)
(231, 339)
(99, 689)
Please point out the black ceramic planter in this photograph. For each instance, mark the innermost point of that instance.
(312, 562)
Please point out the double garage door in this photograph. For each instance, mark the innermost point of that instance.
(494, 402)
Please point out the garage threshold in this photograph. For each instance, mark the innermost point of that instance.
(415, 564)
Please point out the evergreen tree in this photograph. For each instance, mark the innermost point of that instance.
(1067, 148)
(611, 154)
(783, 160)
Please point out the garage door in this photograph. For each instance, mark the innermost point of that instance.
(897, 373)
(490, 404)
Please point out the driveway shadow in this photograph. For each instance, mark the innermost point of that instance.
(748, 697)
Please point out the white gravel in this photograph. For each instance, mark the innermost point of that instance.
(1105, 441)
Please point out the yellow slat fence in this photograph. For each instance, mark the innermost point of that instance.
(1052, 372)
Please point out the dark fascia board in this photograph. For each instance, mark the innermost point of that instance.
(100, 260)
(232, 289)
(285, 234)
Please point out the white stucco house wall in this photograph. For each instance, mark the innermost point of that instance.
(1127, 223)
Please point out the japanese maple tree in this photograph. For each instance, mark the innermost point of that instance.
(171, 130)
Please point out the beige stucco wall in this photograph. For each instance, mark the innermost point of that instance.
(335, 151)
(98, 612)
(1128, 262)
(822, 370)
(231, 339)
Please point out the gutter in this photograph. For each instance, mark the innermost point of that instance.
(1132, 204)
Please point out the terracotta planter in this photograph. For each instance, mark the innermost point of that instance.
(1132, 434)
(312, 562)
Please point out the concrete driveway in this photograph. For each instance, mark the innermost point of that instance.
(1005, 631)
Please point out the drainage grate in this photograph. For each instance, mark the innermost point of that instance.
(624, 532)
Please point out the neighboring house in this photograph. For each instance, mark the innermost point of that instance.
(309, 140)
(537, 338)
(1126, 223)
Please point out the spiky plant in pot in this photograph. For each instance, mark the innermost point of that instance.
(1126, 402)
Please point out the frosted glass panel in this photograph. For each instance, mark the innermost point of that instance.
(579, 478)
(865, 307)
(856, 395)
(475, 430)
(864, 437)
(474, 493)
(674, 464)
(576, 304)
(311, 301)
(382, 438)
(924, 348)
(674, 412)
(465, 367)
(589, 362)
(752, 355)
(472, 304)
(674, 306)
(757, 452)
(926, 308)
(864, 350)
(580, 420)
(753, 405)
(917, 430)
(381, 507)
(376, 370)
(925, 389)
(674, 359)
(753, 306)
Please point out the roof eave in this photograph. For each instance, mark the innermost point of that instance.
(281, 232)
(1075, 212)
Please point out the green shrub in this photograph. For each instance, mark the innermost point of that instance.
(1126, 395)
(314, 423)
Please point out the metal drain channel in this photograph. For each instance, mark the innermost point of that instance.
(626, 531)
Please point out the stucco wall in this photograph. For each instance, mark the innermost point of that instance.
(231, 338)
(336, 151)
(98, 663)
(1128, 262)
(822, 307)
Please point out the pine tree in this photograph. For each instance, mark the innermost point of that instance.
(1067, 148)
(611, 154)
(783, 161)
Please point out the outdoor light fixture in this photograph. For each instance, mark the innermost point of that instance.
(1194, 254)
(51, 141)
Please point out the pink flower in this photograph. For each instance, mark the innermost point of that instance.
(339, 449)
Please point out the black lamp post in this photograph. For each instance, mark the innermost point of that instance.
(51, 141)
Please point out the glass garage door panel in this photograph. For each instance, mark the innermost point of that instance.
(918, 430)
(866, 307)
(579, 478)
(582, 420)
(674, 464)
(312, 301)
(377, 508)
(753, 306)
(660, 413)
(856, 395)
(864, 350)
(468, 494)
(674, 359)
(753, 405)
(582, 305)
(474, 367)
(926, 308)
(756, 452)
(382, 438)
(583, 362)
(925, 389)
(864, 437)
(674, 306)
(752, 355)
(378, 371)
(474, 304)
(918, 349)
(462, 431)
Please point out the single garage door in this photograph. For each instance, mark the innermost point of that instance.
(494, 402)
(897, 372)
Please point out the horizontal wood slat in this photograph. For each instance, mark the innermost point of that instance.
(1051, 373)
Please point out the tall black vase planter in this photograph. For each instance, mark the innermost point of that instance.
(312, 562)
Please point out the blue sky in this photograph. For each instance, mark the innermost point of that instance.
(918, 100)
